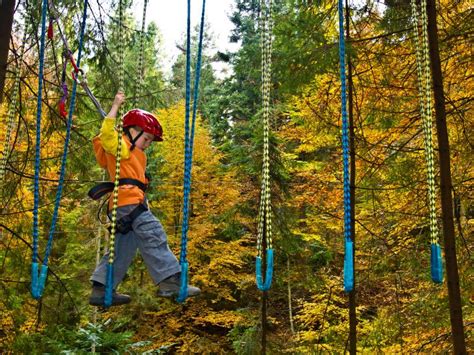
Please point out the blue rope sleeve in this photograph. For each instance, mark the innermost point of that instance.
(349, 266)
(436, 264)
(348, 259)
(264, 285)
(109, 285)
(183, 290)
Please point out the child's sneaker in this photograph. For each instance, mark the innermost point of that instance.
(98, 294)
(170, 287)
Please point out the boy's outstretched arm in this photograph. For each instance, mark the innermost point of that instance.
(108, 134)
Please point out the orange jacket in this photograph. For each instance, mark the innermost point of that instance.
(132, 163)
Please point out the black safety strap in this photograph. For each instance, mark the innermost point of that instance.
(133, 140)
(107, 187)
(124, 224)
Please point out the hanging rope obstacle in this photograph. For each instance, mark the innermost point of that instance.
(110, 266)
(348, 243)
(38, 278)
(264, 212)
(189, 144)
(424, 89)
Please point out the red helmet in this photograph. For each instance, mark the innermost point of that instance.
(145, 120)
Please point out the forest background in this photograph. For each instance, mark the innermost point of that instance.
(399, 308)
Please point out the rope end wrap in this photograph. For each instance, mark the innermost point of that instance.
(436, 264)
(109, 285)
(183, 290)
(34, 280)
(349, 266)
(38, 281)
(264, 286)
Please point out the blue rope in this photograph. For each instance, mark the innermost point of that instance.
(349, 247)
(189, 143)
(34, 265)
(38, 284)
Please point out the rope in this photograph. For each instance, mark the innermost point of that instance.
(424, 89)
(140, 68)
(264, 214)
(12, 109)
(349, 246)
(110, 266)
(189, 143)
(38, 280)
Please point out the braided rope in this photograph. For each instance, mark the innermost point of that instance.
(348, 243)
(110, 265)
(189, 143)
(140, 68)
(264, 214)
(424, 89)
(38, 281)
(12, 109)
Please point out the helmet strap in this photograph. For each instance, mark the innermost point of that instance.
(133, 140)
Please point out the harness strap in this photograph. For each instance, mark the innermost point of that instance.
(107, 187)
(124, 224)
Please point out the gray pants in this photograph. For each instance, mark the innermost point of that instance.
(147, 236)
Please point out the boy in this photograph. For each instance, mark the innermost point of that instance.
(137, 227)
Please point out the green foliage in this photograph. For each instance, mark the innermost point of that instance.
(244, 340)
(60, 340)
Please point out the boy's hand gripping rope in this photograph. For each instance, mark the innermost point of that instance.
(424, 89)
(348, 242)
(264, 213)
(189, 144)
(38, 280)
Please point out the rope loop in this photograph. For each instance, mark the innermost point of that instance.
(424, 91)
(264, 213)
(189, 129)
(38, 282)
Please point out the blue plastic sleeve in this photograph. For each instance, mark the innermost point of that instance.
(109, 285)
(183, 290)
(42, 279)
(436, 264)
(34, 280)
(264, 286)
(349, 266)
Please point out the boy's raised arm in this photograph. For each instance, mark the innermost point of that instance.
(108, 134)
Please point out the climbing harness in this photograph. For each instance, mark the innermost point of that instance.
(264, 211)
(424, 89)
(188, 144)
(104, 188)
(348, 242)
(12, 109)
(38, 278)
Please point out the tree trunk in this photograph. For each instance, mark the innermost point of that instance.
(446, 186)
(7, 8)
